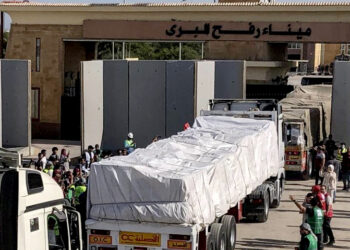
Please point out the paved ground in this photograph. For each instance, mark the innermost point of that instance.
(281, 231)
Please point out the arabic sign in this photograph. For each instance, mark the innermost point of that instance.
(144, 239)
(217, 31)
(179, 244)
(100, 239)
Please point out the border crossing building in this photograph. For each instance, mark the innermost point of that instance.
(57, 37)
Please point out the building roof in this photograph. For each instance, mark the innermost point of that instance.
(36, 4)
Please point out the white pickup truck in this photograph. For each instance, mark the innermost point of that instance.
(188, 191)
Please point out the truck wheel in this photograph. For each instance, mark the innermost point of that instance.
(276, 202)
(210, 242)
(219, 236)
(229, 225)
(262, 217)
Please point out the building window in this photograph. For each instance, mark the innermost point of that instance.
(294, 45)
(343, 49)
(37, 54)
(35, 104)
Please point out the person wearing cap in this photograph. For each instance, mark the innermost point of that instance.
(308, 239)
(129, 143)
(315, 218)
(316, 190)
(187, 126)
(330, 181)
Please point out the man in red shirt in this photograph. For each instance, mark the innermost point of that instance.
(328, 214)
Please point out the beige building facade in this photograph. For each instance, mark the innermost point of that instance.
(53, 37)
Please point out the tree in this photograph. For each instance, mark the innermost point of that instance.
(6, 37)
(150, 50)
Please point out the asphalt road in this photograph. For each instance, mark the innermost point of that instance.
(281, 231)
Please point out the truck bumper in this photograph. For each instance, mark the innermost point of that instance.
(293, 168)
(141, 236)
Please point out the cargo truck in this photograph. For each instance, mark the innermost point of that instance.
(306, 122)
(33, 214)
(188, 191)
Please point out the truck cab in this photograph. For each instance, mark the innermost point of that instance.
(296, 149)
(33, 214)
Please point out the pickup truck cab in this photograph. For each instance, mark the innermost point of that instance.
(33, 215)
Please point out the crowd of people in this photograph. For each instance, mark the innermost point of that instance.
(72, 178)
(317, 210)
(331, 164)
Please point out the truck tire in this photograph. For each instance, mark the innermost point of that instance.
(210, 242)
(219, 236)
(276, 202)
(262, 217)
(229, 225)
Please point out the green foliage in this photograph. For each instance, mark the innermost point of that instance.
(6, 37)
(150, 50)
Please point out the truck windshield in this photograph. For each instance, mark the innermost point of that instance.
(294, 134)
(316, 80)
(8, 208)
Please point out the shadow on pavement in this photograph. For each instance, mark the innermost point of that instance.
(266, 243)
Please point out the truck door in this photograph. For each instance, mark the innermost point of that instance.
(75, 226)
(64, 230)
(58, 233)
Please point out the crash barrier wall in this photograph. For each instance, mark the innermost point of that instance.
(115, 103)
(179, 95)
(15, 103)
(148, 98)
(230, 79)
(204, 84)
(340, 102)
(92, 103)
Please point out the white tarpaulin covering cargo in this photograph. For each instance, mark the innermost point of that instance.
(188, 178)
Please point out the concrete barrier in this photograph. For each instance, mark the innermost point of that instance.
(15, 103)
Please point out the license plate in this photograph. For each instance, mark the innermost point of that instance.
(179, 244)
(143, 239)
(100, 239)
(292, 167)
(292, 157)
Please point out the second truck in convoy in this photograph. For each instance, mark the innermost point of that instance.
(306, 122)
(188, 191)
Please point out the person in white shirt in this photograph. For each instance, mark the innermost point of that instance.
(89, 156)
(43, 159)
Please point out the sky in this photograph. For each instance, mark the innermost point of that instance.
(8, 20)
